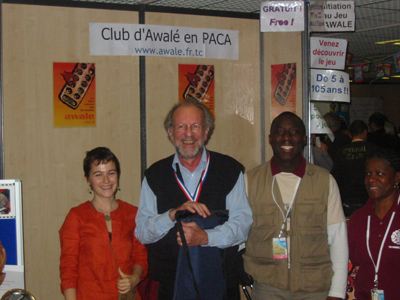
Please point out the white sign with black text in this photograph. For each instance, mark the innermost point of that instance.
(157, 40)
(278, 16)
(329, 85)
(332, 16)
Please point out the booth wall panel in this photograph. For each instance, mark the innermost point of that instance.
(281, 48)
(48, 160)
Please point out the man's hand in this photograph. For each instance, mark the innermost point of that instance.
(333, 298)
(191, 206)
(194, 235)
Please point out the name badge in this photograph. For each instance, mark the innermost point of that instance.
(279, 248)
(377, 294)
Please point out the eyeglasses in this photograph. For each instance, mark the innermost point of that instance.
(184, 127)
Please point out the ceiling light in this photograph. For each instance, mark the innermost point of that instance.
(387, 42)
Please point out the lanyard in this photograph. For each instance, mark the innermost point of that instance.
(285, 217)
(196, 194)
(376, 266)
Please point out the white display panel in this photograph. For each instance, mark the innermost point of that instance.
(11, 234)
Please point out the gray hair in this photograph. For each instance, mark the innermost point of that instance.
(208, 117)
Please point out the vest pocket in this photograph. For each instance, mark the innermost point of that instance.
(312, 217)
(261, 234)
(314, 249)
(316, 278)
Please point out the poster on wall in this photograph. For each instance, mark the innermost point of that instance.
(283, 89)
(11, 234)
(74, 94)
(197, 82)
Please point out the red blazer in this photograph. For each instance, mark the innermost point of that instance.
(87, 262)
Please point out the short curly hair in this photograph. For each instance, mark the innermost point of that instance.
(99, 155)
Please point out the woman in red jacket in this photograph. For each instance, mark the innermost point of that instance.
(100, 255)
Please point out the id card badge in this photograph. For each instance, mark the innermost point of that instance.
(279, 248)
(377, 294)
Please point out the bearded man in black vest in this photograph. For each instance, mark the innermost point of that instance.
(199, 181)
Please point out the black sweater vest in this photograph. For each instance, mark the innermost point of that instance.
(222, 176)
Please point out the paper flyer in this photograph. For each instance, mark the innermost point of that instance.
(349, 58)
(318, 123)
(332, 16)
(283, 89)
(358, 73)
(197, 82)
(329, 85)
(279, 16)
(387, 69)
(327, 53)
(366, 65)
(74, 94)
(380, 73)
(397, 61)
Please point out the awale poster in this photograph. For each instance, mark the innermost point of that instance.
(283, 88)
(197, 82)
(74, 94)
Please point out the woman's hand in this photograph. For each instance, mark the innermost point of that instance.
(127, 282)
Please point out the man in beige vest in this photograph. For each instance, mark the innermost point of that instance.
(297, 247)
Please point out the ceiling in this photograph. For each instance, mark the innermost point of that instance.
(376, 20)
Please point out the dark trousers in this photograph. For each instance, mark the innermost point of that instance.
(166, 291)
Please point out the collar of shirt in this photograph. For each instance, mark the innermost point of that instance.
(200, 167)
(300, 171)
(191, 180)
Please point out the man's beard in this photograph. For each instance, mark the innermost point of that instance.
(181, 150)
